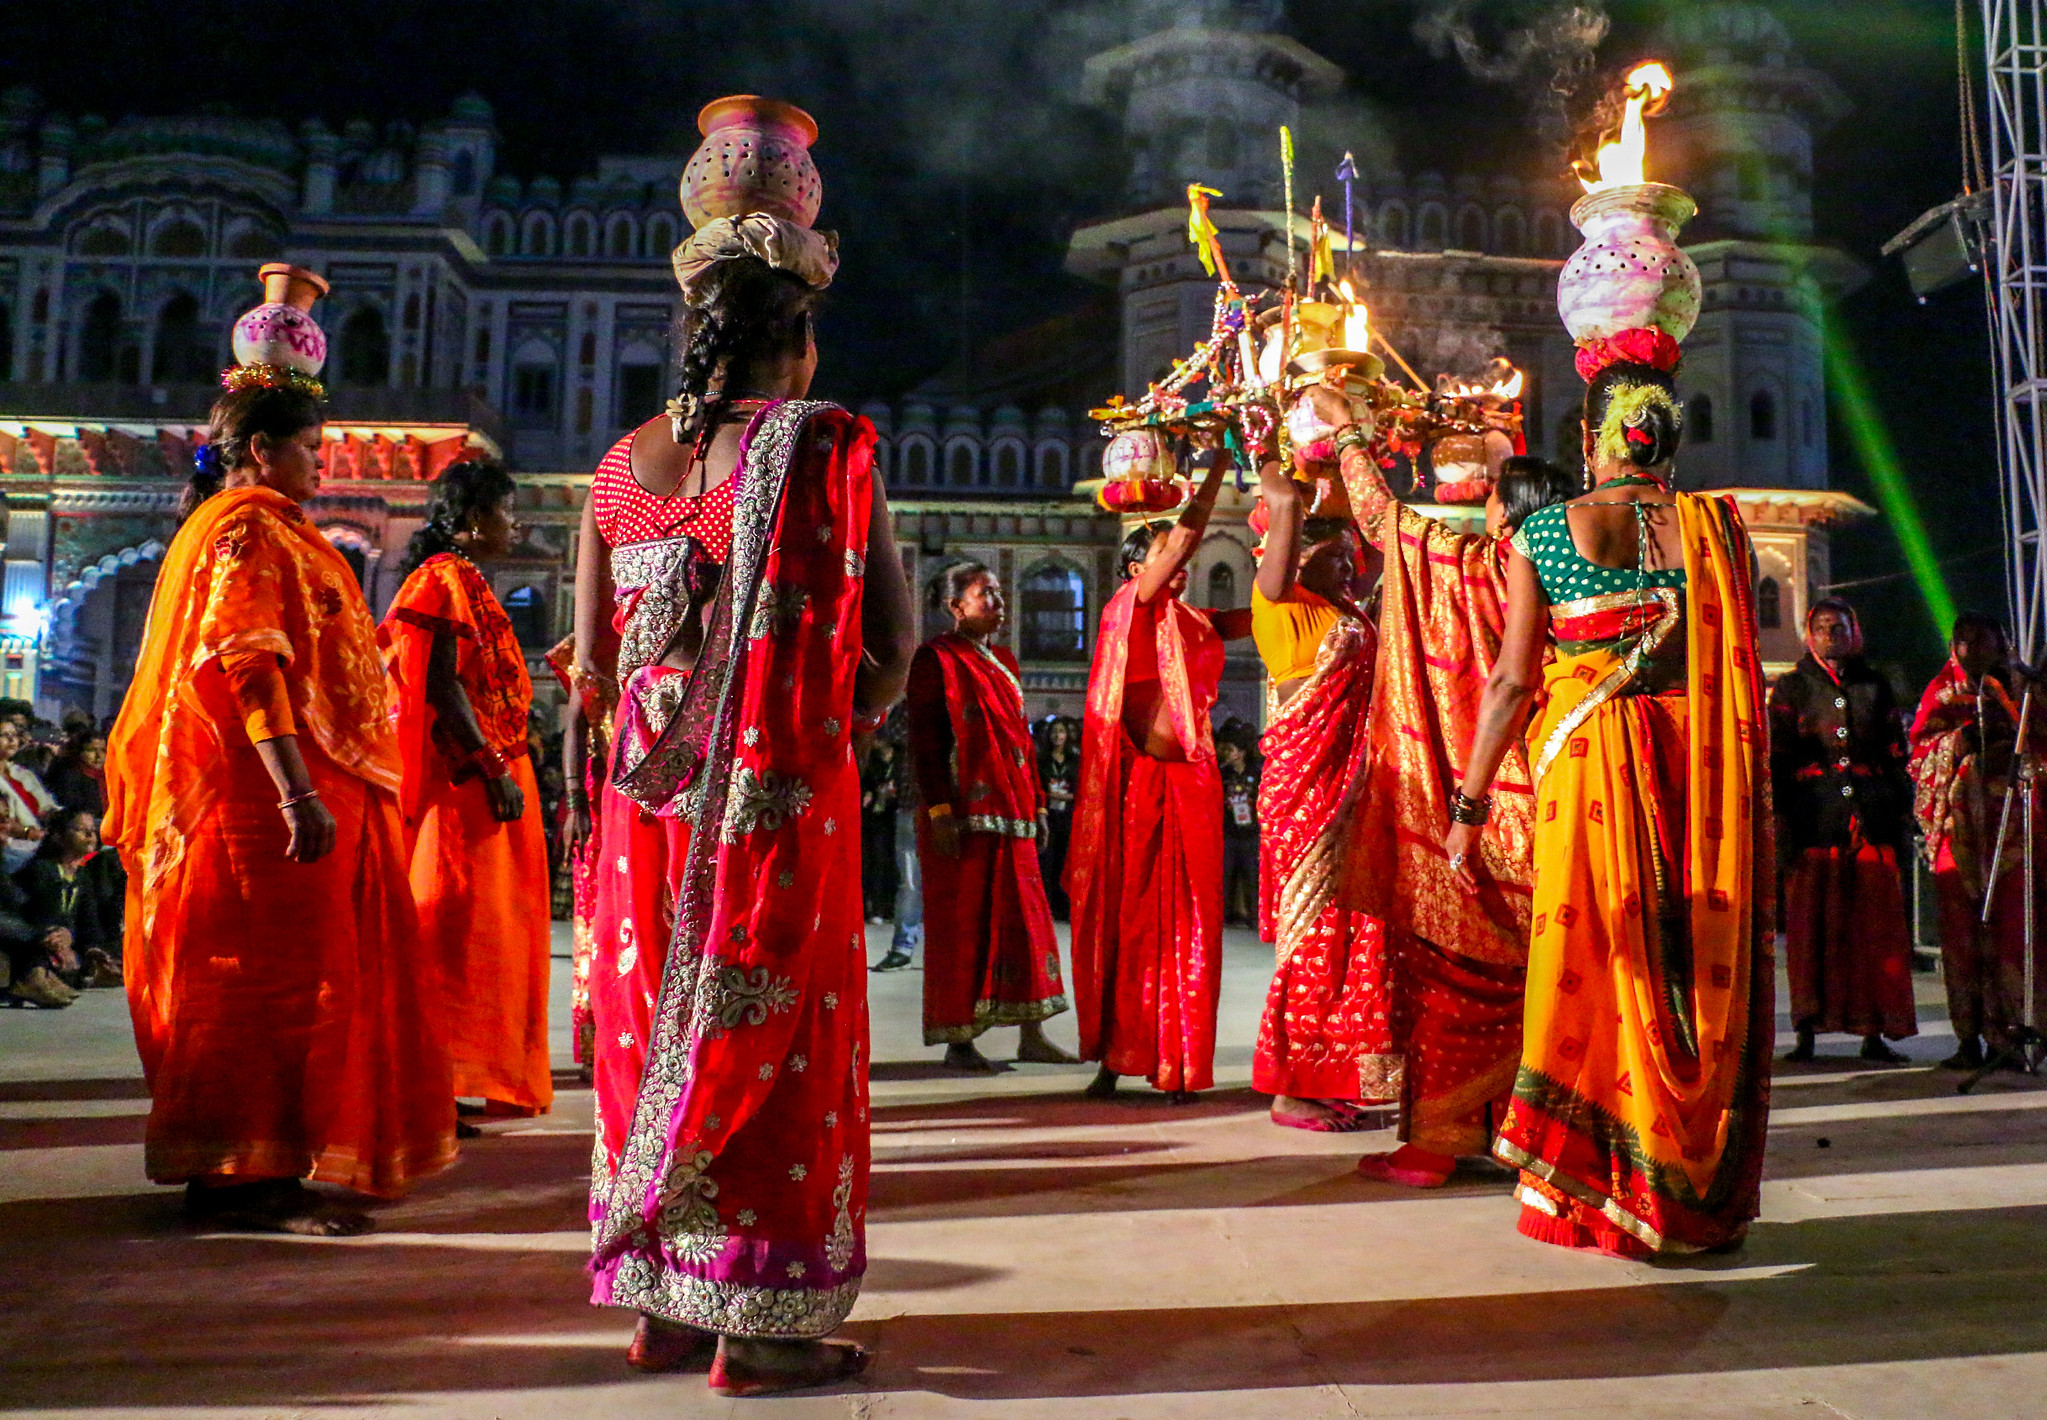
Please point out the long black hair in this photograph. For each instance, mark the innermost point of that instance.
(741, 314)
(276, 412)
(472, 486)
(54, 823)
(1529, 484)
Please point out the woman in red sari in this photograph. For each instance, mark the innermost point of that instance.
(252, 789)
(742, 549)
(479, 852)
(990, 957)
(1326, 1044)
(1144, 869)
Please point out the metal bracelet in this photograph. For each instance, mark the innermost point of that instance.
(295, 800)
(1350, 436)
(1472, 813)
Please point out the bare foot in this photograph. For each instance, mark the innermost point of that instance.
(1033, 1049)
(1180, 1097)
(272, 1206)
(1316, 1116)
(964, 1055)
(752, 1367)
(1103, 1086)
(661, 1345)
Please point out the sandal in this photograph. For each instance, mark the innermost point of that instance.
(1382, 1169)
(661, 1345)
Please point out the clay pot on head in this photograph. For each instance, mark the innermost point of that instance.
(282, 331)
(1630, 274)
(755, 157)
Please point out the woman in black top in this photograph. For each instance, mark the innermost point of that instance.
(1059, 776)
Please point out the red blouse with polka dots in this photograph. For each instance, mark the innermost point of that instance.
(628, 513)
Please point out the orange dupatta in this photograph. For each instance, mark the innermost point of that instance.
(247, 572)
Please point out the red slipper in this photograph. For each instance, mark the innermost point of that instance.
(1382, 1168)
(660, 1346)
(841, 1362)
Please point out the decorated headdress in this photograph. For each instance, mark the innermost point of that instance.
(1632, 409)
(277, 344)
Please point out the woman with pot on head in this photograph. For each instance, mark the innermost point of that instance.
(479, 852)
(252, 788)
(1459, 961)
(1639, 1111)
(742, 547)
(1325, 1043)
(1144, 868)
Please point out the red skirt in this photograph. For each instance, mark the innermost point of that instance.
(1152, 955)
(990, 955)
(1849, 949)
(637, 877)
(1460, 1020)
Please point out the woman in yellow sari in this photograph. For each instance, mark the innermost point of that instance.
(1639, 1110)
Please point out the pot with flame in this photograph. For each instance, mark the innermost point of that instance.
(1630, 274)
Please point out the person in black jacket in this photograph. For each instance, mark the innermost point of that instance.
(1843, 802)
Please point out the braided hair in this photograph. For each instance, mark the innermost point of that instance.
(739, 316)
(1634, 416)
(472, 486)
(275, 411)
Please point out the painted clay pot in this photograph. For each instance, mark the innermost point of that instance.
(1138, 456)
(282, 331)
(1630, 274)
(755, 157)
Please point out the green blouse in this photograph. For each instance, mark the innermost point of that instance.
(1544, 538)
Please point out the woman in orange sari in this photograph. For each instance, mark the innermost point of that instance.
(285, 1030)
(479, 853)
(1639, 1111)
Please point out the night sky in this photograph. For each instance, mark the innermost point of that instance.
(957, 160)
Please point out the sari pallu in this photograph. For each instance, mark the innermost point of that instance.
(1639, 1111)
(737, 1202)
(1327, 1032)
(482, 886)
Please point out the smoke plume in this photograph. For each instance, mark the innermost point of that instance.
(1541, 48)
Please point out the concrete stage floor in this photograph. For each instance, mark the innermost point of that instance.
(1037, 1255)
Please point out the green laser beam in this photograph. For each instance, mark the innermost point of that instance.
(1879, 458)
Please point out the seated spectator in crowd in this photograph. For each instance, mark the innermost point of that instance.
(60, 888)
(23, 797)
(34, 960)
(77, 777)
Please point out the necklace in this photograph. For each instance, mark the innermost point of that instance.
(1637, 480)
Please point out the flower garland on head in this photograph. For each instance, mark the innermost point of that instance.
(1627, 418)
(242, 377)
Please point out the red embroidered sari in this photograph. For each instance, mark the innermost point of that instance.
(481, 885)
(1327, 1032)
(597, 696)
(1144, 867)
(991, 957)
(737, 1198)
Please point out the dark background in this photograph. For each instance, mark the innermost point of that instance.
(957, 160)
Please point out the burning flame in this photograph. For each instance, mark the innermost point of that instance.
(1357, 323)
(1506, 385)
(1623, 161)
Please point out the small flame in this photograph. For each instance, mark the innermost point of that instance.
(1506, 384)
(1624, 161)
(1510, 388)
(1357, 321)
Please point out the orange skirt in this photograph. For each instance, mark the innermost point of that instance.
(482, 888)
(281, 1009)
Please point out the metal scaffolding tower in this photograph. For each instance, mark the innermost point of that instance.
(2015, 46)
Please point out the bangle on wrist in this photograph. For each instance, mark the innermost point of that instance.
(292, 801)
(1470, 812)
(935, 812)
(1349, 437)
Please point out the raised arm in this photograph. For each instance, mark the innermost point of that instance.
(1509, 696)
(1286, 511)
(1185, 538)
